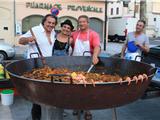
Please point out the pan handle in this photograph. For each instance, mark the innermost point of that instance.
(57, 75)
(60, 75)
(138, 56)
(86, 52)
(152, 71)
(35, 53)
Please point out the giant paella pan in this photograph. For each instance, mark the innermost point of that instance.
(68, 95)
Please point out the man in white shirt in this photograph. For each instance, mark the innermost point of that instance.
(45, 37)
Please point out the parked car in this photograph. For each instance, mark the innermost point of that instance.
(6, 51)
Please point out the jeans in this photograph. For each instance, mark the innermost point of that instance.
(60, 52)
(36, 112)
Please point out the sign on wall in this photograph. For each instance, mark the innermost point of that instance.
(18, 28)
(48, 6)
(84, 8)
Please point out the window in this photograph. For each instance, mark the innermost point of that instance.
(125, 3)
(117, 11)
(5, 28)
(111, 11)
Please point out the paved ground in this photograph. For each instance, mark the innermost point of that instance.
(139, 110)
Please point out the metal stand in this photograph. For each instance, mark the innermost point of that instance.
(79, 115)
(87, 115)
(114, 114)
(51, 113)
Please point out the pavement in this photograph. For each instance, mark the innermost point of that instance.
(139, 110)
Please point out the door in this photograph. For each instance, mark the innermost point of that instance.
(97, 25)
(30, 21)
(158, 26)
(6, 31)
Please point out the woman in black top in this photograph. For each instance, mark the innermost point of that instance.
(63, 39)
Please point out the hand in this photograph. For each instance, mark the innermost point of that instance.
(95, 60)
(136, 43)
(31, 39)
(122, 57)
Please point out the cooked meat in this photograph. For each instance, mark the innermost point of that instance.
(78, 77)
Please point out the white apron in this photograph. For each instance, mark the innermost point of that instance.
(81, 46)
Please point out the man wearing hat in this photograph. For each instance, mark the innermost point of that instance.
(136, 43)
(63, 39)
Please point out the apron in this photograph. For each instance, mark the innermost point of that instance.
(132, 52)
(81, 46)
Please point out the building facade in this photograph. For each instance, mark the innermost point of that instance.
(153, 18)
(131, 8)
(22, 15)
(123, 8)
(18, 16)
(114, 9)
(7, 27)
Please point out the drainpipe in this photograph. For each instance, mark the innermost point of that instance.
(14, 18)
(105, 25)
(143, 9)
(134, 8)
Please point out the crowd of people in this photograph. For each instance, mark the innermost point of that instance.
(52, 43)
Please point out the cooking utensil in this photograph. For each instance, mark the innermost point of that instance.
(90, 68)
(39, 50)
(76, 96)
